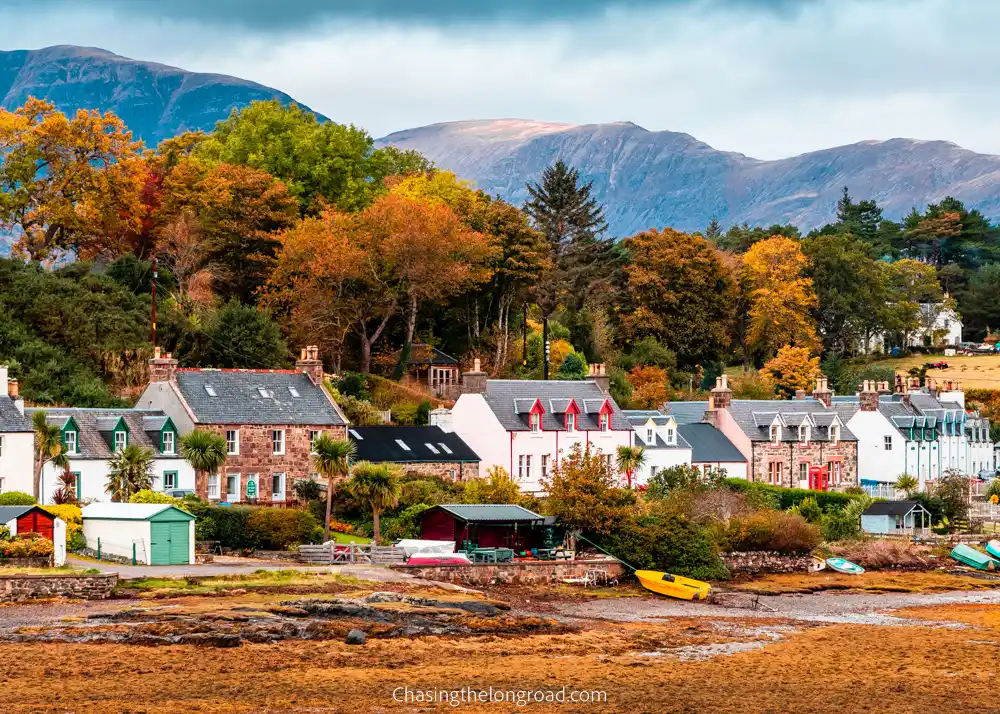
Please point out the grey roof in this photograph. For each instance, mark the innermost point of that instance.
(96, 441)
(891, 508)
(12, 421)
(709, 445)
(421, 354)
(511, 399)
(9, 513)
(489, 513)
(638, 417)
(427, 444)
(752, 417)
(240, 397)
(687, 412)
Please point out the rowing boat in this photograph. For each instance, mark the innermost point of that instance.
(993, 548)
(844, 566)
(673, 585)
(973, 558)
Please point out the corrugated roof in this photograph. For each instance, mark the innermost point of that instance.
(379, 444)
(709, 445)
(503, 394)
(12, 421)
(95, 440)
(9, 513)
(125, 511)
(891, 508)
(490, 513)
(256, 397)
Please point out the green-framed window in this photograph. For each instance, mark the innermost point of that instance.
(169, 480)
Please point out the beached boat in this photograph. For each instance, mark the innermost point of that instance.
(973, 558)
(993, 548)
(673, 585)
(844, 566)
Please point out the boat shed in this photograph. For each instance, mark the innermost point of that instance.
(486, 525)
(143, 533)
(895, 518)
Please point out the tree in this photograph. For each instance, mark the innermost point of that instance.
(497, 488)
(678, 291)
(241, 337)
(916, 298)
(583, 492)
(861, 218)
(680, 477)
(573, 366)
(205, 451)
(630, 460)
(781, 296)
(48, 447)
(649, 387)
(378, 486)
(953, 493)
(130, 470)
(791, 369)
(67, 184)
(332, 459)
(563, 210)
(907, 484)
(739, 239)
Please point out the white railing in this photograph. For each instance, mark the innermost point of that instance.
(984, 511)
(885, 491)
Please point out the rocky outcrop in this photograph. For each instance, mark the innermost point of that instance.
(654, 179)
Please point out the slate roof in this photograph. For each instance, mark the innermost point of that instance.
(421, 354)
(378, 444)
(709, 445)
(507, 399)
(9, 513)
(256, 397)
(891, 508)
(638, 418)
(129, 511)
(12, 421)
(96, 441)
(754, 417)
(687, 412)
(489, 513)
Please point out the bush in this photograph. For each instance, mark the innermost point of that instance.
(307, 490)
(428, 490)
(341, 527)
(354, 385)
(405, 525)
(840, 526)
(677, 477)
(26, 545)
(405, 414)
(809, 509)
(16, 498)
(225, 524)
(771, 531)
(424, 412)
(279, 528)
(148, 496)
(76, 542)
(4, 533)
(789, 497)
(71, 514)
(670, 543)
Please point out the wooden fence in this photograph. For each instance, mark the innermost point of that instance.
(330, 553)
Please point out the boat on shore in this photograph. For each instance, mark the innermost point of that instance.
(673, 585)
(993, 548)
(967, 555)
(844, 566)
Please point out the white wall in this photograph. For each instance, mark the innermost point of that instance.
(116, 537)
(874, 462)
(16, 462)
(59, 541)
(94, 477)
(734, 469)
(160, 395)
(474, 421)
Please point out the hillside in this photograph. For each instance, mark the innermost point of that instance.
(154, 100)
(666, 178)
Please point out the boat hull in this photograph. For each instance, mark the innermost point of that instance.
(844, 566)
(675, 587)
(993, 548)
(973, 558)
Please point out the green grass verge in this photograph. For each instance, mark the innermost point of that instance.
(258, 579)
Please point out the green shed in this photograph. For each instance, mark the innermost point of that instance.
(151, 533)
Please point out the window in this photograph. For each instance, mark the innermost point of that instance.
(670, 437)
(77, 483)
(262, 392)
(168, 442)
(605, 421)
(233, 487)
(402, 445)
(804, 472)
(210, 390)
(804, 433)
(524, 466)
(294, 392)
(313, 435)
(278, 487)
(1, 446)
(833, 471)
(899, 523)
(356, 435)
(535, 420)
(278, 441)
(649, 435)
(835, 433)
(545, 465)
(233, 442)
(652, 471)
(775, 433)
(571, 423)
(121, 440)
(169, 480)
(213, 487)
(888, 442)
(432, 448)
(774, 470)
(445, 448)
(69, 438)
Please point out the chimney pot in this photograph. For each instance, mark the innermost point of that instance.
(476, 365)
(13, 389)
(162, 368)
(800, 394)
(310, 365)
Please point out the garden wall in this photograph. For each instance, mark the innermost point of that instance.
(15, 587)
(25, 563)
(763, 562)
(522, 573)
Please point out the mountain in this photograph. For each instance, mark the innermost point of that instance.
(154, 100)
(653, 179)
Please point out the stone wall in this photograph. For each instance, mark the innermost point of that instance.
(25, 563)
(816, 453)
(763, 562)
(522, 573)
(444, 470)
(15, 587)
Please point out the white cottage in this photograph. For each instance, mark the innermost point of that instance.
(17, 439)
(663, 446)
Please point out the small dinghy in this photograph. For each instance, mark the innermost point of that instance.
(973, 558)
(673, 585)
(844, 566)
(993, 548)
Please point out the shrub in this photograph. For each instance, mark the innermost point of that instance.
(76, 542)
(4, 533)
(16, 498)
(428, 490)
(771, 531)
(670, 543)
(404, 525)
(677, 477)
(584, 493)
(809, 509)
(341, 527)
(279, 528)
(360, 412)
(499, 487)
(225, 524)
(354, 385)
(148, 496)
(424, 412)
(405, 414)
(789, 497)
(26, 545)
(307, 490)
(840, 526)
(71, 514)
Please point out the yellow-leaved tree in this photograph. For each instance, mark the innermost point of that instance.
(791, 369)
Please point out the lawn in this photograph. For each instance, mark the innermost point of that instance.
(347, 539)
(973, 372)
(258, 579)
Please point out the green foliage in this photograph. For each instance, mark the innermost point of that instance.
(994, 489)
(130, 471)
(406, 524)
(137, 275)
(574, 366)
(226, 525)
(4, 533)
(150, 496)
(952, 492)
(498, 488)
(355, 385)
(681, 476)
(432, 491)
(76, 542)
(840, 526)
(773, 531)
(620, 388)
(280, 528)
(307, 489)
(583, 493)
(405, 414)
(668, 542)
(16, 498)
(809, 509)
(424, 412)
(648, 352)
(789, 497)
(360, 412)
(237, 337)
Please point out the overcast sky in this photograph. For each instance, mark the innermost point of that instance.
(769, 78)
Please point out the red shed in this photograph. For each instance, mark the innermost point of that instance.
(486, 525)
(28, 519)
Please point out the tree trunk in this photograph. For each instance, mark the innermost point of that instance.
(39, 464)
(411, 319)
(378, 531)
(366, 355)
(329, 508)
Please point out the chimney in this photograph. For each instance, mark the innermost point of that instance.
(722, 395)
(474, 382)
(310, 364)
(442, 418)
(932, 387)
(162, 367)
(883, 388)
(800, 395)
(599, 377)
(868, 397)
(711, 415)
(3, 380)
(822, 392)
(900, 387)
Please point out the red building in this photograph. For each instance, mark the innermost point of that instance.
(486, 525)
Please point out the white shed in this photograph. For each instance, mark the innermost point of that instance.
(146, 533)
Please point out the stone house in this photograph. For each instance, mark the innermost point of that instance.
(269, 419)
(419, 450)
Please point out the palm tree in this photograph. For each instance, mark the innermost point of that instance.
(907, 484)
(130, 471)
(378, 485)
(48, 446)
(205, 451)
(332, 458)
(630, 460)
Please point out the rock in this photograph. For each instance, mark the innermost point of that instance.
(355, 637)
(209, 639)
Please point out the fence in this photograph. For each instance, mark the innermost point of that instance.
(883, 490)
(331, 553)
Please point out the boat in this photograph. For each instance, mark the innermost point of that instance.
(673, 585)
(439, 559)
(973, 558)
(993, 548)
(844, 566)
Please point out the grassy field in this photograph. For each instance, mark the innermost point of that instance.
(973, 372)
(348, 539)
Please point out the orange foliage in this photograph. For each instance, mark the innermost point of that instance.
(649, 387)
(781, 297)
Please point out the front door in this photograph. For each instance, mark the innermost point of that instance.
(233, 491)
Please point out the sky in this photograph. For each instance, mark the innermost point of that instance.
(767, 78)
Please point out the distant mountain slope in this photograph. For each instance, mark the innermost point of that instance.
(154, 100)
(654, 179)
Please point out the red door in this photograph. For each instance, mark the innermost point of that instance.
(35, 522)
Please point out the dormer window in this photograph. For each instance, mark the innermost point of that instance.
(775, 433)
(605, 421)
(535, 421)
(570, 422)
(804, 433)
(671, 438)
(70, 442)
(834, 433)
(649, 435)
(121, 440)
(168, 442)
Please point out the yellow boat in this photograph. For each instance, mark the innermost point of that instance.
(673, 585)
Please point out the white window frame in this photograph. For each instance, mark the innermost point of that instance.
(535, 421)
(570, 423)
(313, 436)
(649, 435)
(804, 471)
(278, 442)
(887, 442)
(213, 487)
(671, 438)
(173, 442)
(170, 487)
(605, 421)
(524, 466)
(804, 433)
(544, 465)
(278, 478)
(239, 488)
(66, 437)
(775, 433)
(1, 446)
(124, 440)
(774, 472)
(233, 445)
(834, 434)
(609, 458)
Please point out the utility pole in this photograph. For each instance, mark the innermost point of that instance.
(154, 303)
(524, 338)
(545, 348)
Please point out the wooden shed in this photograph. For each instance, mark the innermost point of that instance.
(896, 518)
(486, 525)
(35, 519)
(148, 533)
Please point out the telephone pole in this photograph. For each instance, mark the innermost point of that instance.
(154, 304)
(524, 338)
(545, 348)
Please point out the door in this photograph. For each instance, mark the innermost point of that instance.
(35, 522)
(170, 543)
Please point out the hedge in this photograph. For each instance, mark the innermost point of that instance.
(788, 497)
(243, 528)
